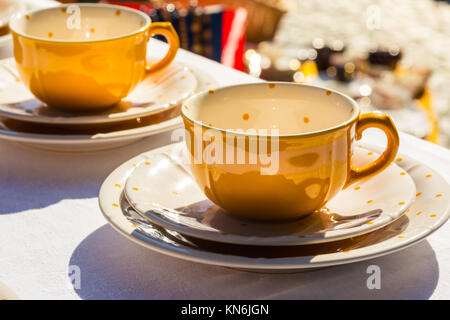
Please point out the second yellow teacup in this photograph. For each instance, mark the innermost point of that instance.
(276, 151)
(86, 57)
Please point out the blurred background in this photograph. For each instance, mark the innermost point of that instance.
(389, 55)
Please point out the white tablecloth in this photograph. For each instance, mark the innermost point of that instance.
(50, 220)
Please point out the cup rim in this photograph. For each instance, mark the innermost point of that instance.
(21, 15)
(353, 118)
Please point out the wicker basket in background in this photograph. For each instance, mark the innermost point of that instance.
(263, 18)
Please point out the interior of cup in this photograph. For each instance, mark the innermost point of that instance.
(80, 23)
(290, 108)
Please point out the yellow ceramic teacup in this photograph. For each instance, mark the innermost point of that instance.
(86, 57)
(292, 153)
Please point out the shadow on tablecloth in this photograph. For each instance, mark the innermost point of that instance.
(113, 267)
(34, 179)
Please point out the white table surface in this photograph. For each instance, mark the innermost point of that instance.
(50, 220)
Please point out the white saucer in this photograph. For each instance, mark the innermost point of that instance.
(108, 139)
(156, 93)
(429, 211)
(162, 190)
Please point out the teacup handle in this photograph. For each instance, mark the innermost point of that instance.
(166, 29)
(385, 123)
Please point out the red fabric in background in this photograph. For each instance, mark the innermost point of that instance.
(234, 23)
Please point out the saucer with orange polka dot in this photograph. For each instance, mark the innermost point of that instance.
(156, 93)
(99, 136)
(162, 190)
(429, 211)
